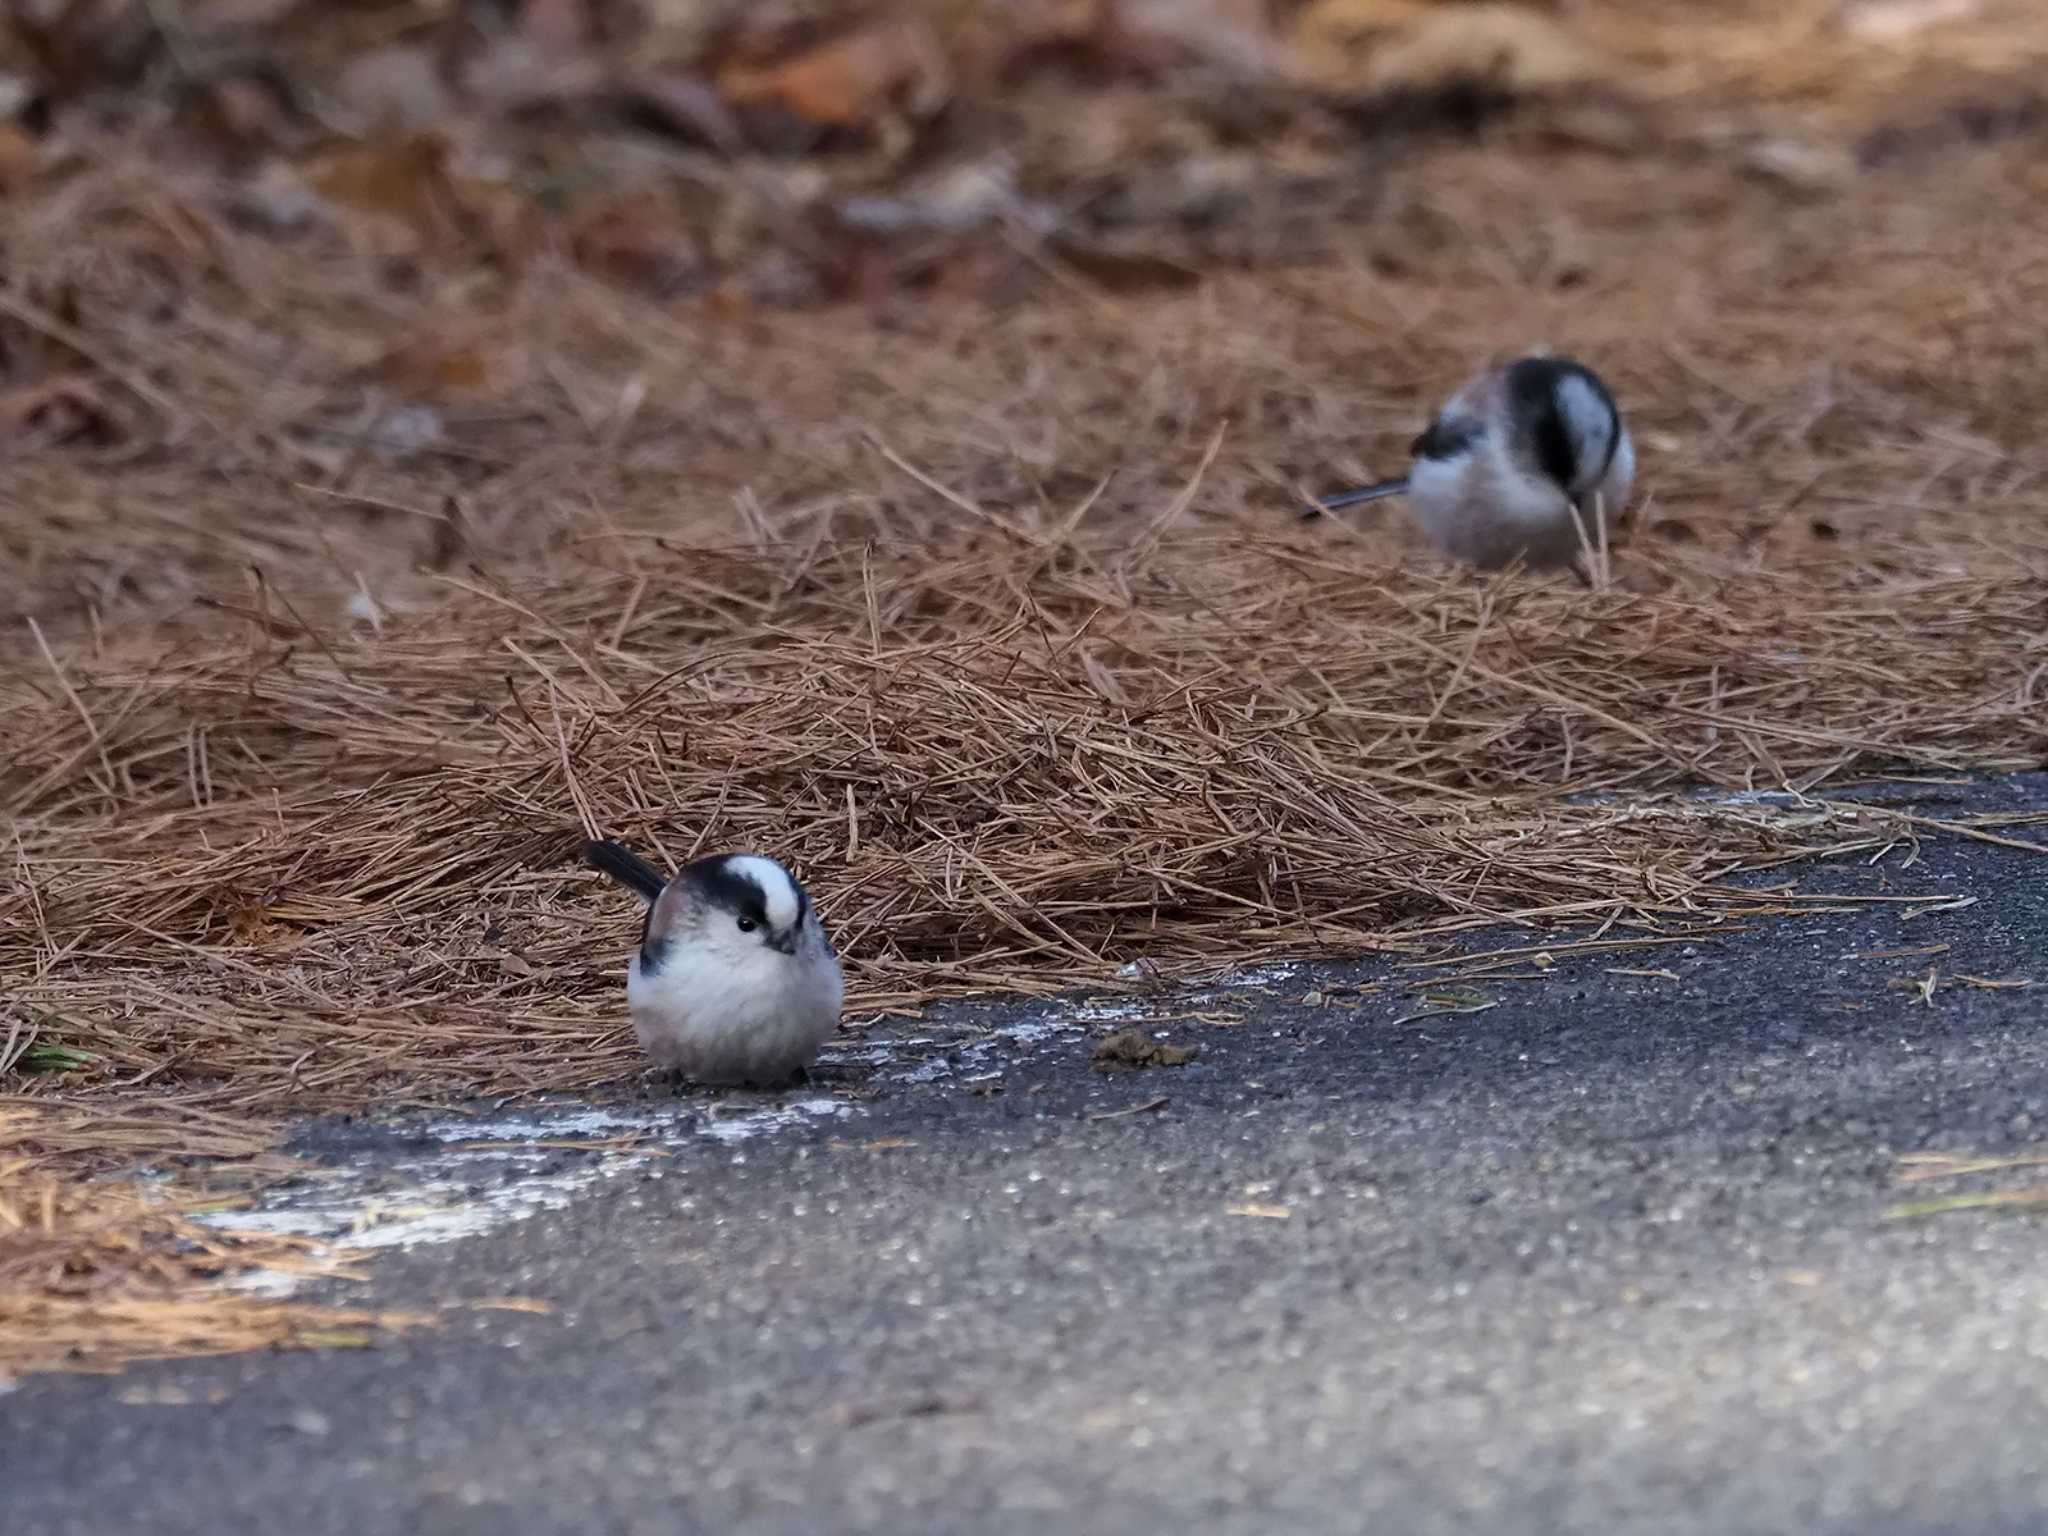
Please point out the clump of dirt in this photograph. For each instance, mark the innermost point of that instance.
(1131, 1050)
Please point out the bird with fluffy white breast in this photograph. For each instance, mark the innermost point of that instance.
(735, 982)
(1529, 462)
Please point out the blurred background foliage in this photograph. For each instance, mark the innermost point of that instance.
(807, 151)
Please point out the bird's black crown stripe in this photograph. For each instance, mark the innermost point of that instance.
(717, 884)
(1532, 385)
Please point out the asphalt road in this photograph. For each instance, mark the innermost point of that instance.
(1614, 1254)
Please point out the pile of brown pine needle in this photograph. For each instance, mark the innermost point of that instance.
(996, 623)
(98, 1272)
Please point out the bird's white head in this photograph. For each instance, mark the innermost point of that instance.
(1562, 422)
(744, 907)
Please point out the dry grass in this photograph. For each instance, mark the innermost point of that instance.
(168, 1318)
(97, 1273)
(290, 872)
(993, 619)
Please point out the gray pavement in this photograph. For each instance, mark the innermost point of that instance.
(1613, 1254)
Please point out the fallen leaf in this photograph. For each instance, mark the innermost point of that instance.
(1335, 36)
(402, 181)
(254, 925)
(851, 81)
(1894, 21)
(1124, 271)
(18, 156)
(1504, 47)
(434, 364)
(640, 242)
(1263, 1212)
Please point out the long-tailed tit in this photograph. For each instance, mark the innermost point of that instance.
(1531, 461)
(735, 981)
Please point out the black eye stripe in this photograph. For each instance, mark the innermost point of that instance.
(1533, 384)
(715, 884)
(1554, 453)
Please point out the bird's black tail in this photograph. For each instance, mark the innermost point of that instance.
(1377, 491)
(626, 867)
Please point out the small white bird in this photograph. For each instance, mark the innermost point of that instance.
(735, 981)
(1531, 461)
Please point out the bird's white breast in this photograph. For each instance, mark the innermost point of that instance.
(737, 1015)
(1482, 507)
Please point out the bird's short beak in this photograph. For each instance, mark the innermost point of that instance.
(783, 943)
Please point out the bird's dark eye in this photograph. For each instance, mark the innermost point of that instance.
(746, 925)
